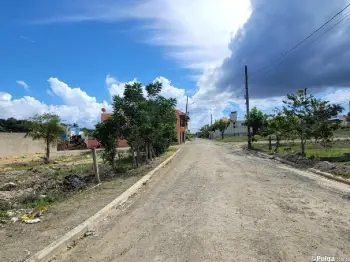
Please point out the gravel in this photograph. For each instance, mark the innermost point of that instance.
(215, 203)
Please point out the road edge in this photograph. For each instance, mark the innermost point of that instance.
(313, 170)
(55, 247)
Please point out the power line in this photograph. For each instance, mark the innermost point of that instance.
(239, 94)
(301, 42)
(314, 40)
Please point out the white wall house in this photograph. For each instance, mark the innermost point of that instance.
(236, 128)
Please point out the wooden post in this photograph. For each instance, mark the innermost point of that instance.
(247, 104)
(94, 157)
(270, 145)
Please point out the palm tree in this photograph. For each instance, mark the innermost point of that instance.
(45, 127)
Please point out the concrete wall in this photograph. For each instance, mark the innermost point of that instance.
(236, 128)
(15, 144)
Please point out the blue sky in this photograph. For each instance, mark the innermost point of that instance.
(81, 54)
(70, 57)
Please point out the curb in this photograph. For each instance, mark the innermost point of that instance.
(55, 247)
(313, 170)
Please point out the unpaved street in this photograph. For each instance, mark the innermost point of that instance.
(215, 203)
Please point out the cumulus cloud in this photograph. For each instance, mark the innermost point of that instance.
(115, 87)
(216, 39)
(24, 84)
(5, 96)
(273, 28)
(195, 32)
(77, 105)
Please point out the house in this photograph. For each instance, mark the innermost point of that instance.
(180, 126)
(236, 127)
(121, 141)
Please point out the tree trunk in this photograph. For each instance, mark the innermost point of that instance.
(150, 152)
(134, 165)
(138, 155)
(277, 143)
(47, 152)
(303, 147)
(222, 135)
(270, 145)
(146, 153)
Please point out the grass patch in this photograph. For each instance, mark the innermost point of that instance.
(3, 214)
(326, 152)
(80, 169)
(123, 165)
(170, 151)
(240, 139)
(232, 139)
(311, 149)
(43, 204)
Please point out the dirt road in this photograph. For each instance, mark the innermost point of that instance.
(215, 203)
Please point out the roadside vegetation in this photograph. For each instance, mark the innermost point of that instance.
(29, 188)
(146, 122)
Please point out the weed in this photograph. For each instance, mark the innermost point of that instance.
(3, 214)
(44, 202)
(81, 169)
(4, 206)
(123, 165)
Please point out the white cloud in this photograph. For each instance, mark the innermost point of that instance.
(5, 96)
(340, 96)
(195, 32)
(24, 84)
(78, 106)
(115, 87)
(49, 92)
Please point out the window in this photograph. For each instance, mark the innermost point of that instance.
(182, 121)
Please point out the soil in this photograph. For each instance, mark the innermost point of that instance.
(74, 201)
(216, 203)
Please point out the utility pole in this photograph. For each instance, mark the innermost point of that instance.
(186, 120)
(211, 119)
(247, 104)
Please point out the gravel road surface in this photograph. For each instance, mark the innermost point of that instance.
(216, 203)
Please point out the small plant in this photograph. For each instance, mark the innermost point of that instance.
(3, 214)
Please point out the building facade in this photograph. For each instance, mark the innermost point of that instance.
(236, 128)
(121, 141)
(180, 126)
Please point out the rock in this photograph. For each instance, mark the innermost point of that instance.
(73, 182)
(10, 213)
(8, 186)
(3, 221)
(14, 219)
(43, 196)
(32, 221)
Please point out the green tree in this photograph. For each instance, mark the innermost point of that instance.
(221, 125)
(278, 125)
(257, 121)
(204, 131)
(88, 131)
(308, 118)
(147, 123)
(45, 127)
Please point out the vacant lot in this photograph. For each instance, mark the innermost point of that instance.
(60, 194)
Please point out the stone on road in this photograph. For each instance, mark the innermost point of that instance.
(215, 203)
